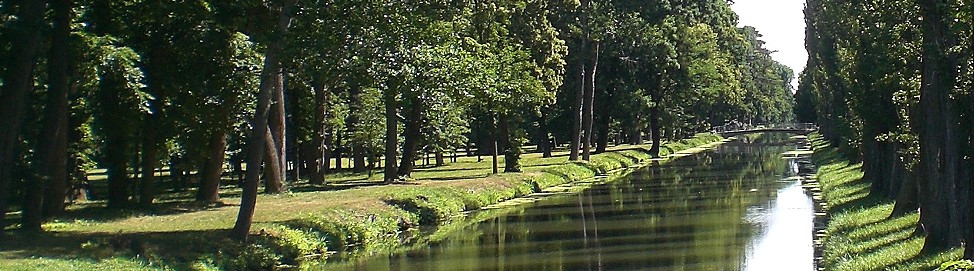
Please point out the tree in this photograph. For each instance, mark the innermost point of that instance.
(17, 80)
(258, 140)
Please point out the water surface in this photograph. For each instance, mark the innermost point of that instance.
(728, 209)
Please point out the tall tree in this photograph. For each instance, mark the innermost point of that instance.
(258, 140)
(17, 81)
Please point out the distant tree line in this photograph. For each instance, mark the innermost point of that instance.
(286, 86)
(890, 82)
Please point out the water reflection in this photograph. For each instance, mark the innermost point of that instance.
(727, 209)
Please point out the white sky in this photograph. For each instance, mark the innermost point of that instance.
(782, 25)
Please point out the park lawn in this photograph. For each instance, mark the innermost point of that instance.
(351, 211)
(860, 234)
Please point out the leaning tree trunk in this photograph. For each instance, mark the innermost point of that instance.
(274, 178)
(258, 135)
(588, 113)
(209, 186)
(18, 79)
(273, 174)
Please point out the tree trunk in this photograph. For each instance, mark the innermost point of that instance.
(18, 79)
(273, 173)
(589, 103)
(439, 158)
(603, 140)
(412, 137)
(392, 134)
(512, 147)
(543, 143)
(358, 157)
(56, 118)
(209, 186)
(327, 151)
(117, 162)
(906, 200)
(278, 126)
(318, 135)
(654, 128)
(577, 117)
(871, 165)
(936, 166)
(337, 152)
(33, 198)
(494, 156)
(150, 150)
(272, 67)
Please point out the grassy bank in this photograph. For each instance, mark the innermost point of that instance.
(352, 212)
(861, 235)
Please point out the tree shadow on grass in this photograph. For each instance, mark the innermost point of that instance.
(455, 178)
(176, 249)
(449, 169)
(337, 186)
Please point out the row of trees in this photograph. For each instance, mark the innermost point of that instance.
(286, 86)
(890, 82)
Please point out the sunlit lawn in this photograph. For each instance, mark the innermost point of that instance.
(176, 222)
(861, 235)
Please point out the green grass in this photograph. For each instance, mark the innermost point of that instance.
(352, 212)
(861, 235)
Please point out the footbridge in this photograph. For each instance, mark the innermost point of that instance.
(740, 129)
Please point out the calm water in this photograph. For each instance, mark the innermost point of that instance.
(728, 209)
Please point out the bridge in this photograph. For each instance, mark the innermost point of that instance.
(740, 129)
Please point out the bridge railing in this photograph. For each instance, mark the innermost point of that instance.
(738, 127)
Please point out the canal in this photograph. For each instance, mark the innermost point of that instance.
(737, 207)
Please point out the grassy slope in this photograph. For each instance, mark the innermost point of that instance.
(861, 235)
(350, 211)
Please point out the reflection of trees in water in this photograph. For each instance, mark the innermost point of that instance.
(688, 213)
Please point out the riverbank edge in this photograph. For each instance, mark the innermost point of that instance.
(444, 214)
(313, 238)
(383, 231)
(854, 231)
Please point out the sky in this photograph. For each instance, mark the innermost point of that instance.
(782, 25)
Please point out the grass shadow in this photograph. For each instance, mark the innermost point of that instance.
(155, 247)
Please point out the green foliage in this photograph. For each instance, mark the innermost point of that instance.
(344, 230)
(961, 265)
(293, 245)
(247, 257)
(433, 206)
